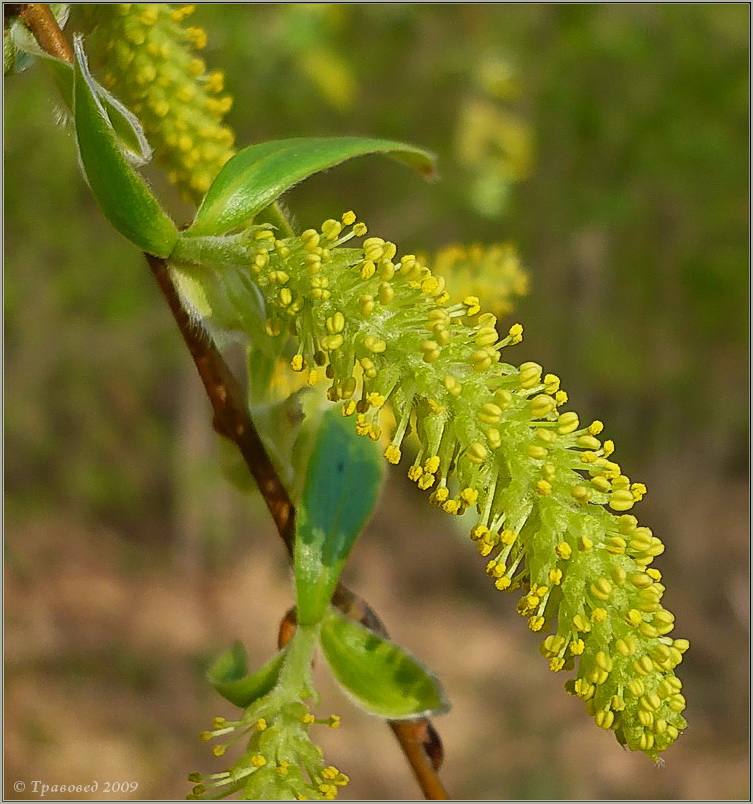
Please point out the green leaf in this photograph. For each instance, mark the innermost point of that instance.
(120, 192)
(383, 678)
(342, 483)
(230, 677)
(258, 175)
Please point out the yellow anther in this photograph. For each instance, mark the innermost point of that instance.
(588, 442)
(603, 661)
(601, 484)
(368, 269)
(387, 293)
(599, 615)
(595, 427)
(621, 500)
(648, 630)
(583, 689)
(490, 413)
(261, 724)
(331, 229)
(627, 523)
(486, 336)
(637, 688)
(563, 550)
(373, 344)
(453, 507)
(619, 576)
(516, 333)
(541, 406)
(604, 718)
(331, 342)
(197, 37)
(473, 305)
(634, 618)
(258, 761)
(430, 350)
(601, 589)
(476, 453)
(392, 454)
(536, 623)
(297, 363)
(554, 577)
(508, 537)
(359, 229)
(644, 665)
(432, 464)
(543, 487)
(585, 544)
(577, 646)
(581, 493)
(468, 496)
(503, 398)
(537, 452)
(503, 583)
(530, 375)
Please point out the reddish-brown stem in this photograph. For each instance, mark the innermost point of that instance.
(417, 738)
(41, 21)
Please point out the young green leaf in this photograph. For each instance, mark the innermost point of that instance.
(230, 677)
(342, 482)
(383, 678)
(120, 192)
(256, 176)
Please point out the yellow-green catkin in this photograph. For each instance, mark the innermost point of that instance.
(551, 503)
(492, 273)
(151, 63)
(279, 761)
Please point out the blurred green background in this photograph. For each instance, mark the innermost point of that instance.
(610, 143)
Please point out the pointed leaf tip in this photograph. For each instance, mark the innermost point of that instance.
(258, 175)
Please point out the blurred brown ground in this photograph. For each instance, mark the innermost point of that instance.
(105, 644)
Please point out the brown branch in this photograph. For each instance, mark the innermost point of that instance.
(417, 738)
(42, 23)
(231, 416)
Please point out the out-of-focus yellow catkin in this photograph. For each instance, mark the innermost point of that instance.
(152, 68)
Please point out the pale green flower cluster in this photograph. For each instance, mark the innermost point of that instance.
(279, 763)
(551, 502)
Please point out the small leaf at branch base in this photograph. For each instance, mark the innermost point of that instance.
(230, 677)
(120, 192)
(256, 176)
(383, 678)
